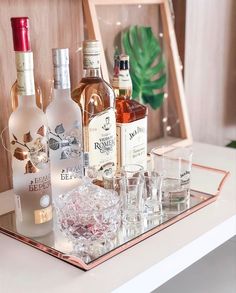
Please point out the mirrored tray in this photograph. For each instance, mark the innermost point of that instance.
(206, 184)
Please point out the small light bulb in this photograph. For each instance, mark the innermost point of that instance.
(118, 23)
(168, 128)
(139, 6)
(79, 49)
(165, 95)
(161, 35)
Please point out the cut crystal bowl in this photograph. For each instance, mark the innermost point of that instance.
(88, 214)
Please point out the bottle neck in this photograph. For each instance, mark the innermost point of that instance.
(124, 94)
(62, 93)
(61, 77)
(91, 64)
(26, 101)
(122, 84)
(25, 74)
(25, 83)
(92, 72)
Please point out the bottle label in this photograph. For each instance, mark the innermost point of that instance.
(61, 77)
(132, 143)
(43, 215)
(25, 83)
(91, 61)
(25, 75)
(124, 80)
(102, 142)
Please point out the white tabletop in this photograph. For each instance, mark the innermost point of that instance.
(141, 268)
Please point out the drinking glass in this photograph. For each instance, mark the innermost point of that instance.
(131, 191)
(174, 165)
(112, 181)
(152, 193)
(132, 170)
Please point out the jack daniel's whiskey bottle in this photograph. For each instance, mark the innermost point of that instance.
(131, 118)
(97, 102)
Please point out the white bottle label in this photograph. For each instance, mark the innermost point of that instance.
(25, 75)
(91, 61)
(102, 142)
(132, 143)
(123, 81)
(25, 83)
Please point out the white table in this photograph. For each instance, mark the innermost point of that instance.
(143, 267)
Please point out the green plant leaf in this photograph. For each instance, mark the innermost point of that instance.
(232, 144)
(147, 67)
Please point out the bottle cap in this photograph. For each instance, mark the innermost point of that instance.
(61, 72)
(91, 47)
(60, 57)
(20, 32)
(124, 57)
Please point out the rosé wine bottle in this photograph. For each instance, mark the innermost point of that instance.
(30, 162)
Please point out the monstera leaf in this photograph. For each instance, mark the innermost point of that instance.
(147, 67)
(232, 144)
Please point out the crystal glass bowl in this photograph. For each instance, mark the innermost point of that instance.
(89, 214)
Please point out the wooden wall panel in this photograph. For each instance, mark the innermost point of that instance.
(53, 23)
(210, 69)
(179, 7)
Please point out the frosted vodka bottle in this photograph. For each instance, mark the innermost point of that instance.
(64, 119)
(30, 162)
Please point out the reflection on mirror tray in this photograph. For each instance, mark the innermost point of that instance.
(92, 223)
(64, 246)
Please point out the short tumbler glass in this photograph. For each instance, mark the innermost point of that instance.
(174, 165)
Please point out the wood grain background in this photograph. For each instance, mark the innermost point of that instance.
(53, 23)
